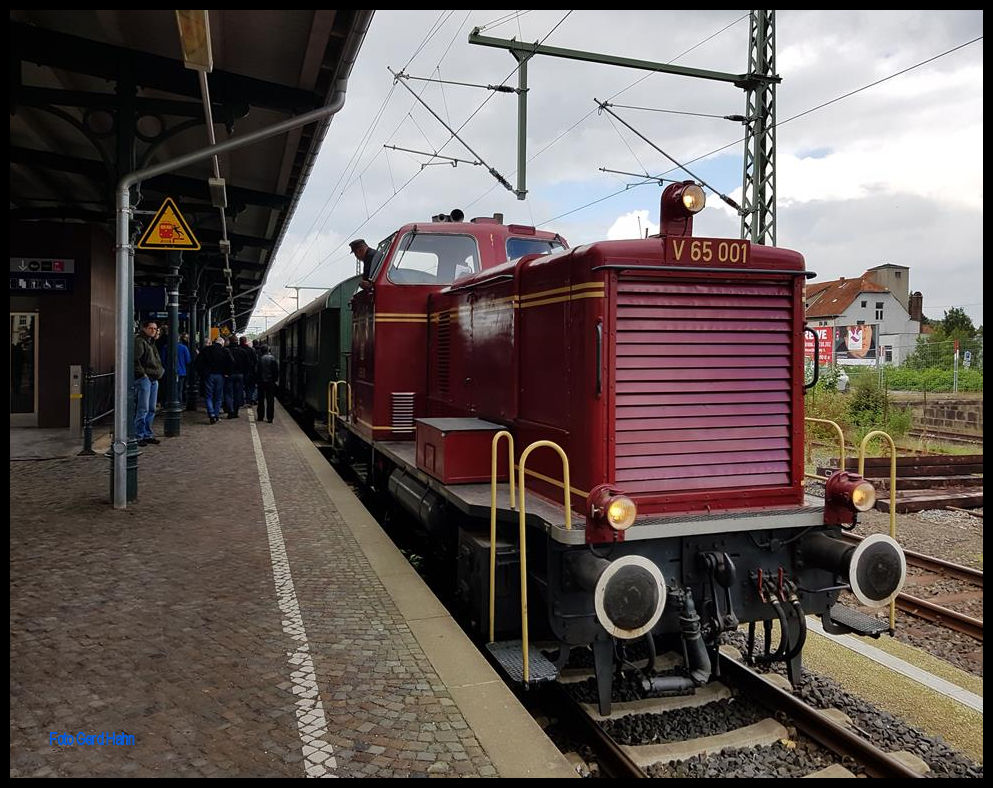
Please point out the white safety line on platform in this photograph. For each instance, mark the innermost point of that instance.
(938, 684)
(312, 724)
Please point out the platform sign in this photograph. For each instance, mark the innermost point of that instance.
(42, 274)
(168, 230)
(45, 284)
(43, 265)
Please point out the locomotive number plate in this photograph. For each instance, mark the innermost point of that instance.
(706, 251)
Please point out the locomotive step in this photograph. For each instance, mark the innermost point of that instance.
(507, 653)
(857, 622)
(361, 471)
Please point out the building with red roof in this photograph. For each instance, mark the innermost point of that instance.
(870, 318)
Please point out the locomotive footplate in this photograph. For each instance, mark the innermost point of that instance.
(509, 655)
(841, 620)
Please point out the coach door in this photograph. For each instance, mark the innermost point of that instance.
(24, 369)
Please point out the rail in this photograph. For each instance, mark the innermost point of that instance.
(493, 486)
(333, 400)
(841, 440)
(521, 513)
(865, 442)
(98, 395)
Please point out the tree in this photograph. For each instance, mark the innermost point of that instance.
(957, 324)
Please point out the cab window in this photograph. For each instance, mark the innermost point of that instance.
(377, 261)
(426, 259)
(518, 247)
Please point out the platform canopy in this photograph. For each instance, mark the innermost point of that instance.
(95, 95)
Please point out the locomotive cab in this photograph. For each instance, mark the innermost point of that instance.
(389, 366)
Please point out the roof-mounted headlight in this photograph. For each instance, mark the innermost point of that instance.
(693, 197)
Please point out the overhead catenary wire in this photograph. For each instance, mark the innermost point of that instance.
(464, 123)
(356, 155)
(777, 125)
(590, 113)
(603, 105)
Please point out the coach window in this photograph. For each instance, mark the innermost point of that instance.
(426, 259)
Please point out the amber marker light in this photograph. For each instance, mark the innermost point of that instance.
(864, 496)
(844, 494)
(611, 508)
(621, 512)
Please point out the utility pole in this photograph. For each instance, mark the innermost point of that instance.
(758, 222)
(298, 288)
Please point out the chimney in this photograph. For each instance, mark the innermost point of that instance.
(916, 306)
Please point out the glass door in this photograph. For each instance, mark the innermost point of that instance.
(23, 369)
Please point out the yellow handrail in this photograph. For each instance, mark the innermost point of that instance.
(864, 443)
(521, 514)
(493, 485)
(841, 439)
(333, 404)
(332, 407)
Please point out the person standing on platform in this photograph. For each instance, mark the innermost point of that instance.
(234, 391)
(250, 361)
(162, 346)
(267, 373)
(215, 363)
(147, 371)
(188, 367)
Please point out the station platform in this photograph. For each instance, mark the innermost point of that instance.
(244, 617)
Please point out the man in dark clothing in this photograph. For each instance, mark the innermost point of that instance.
(147, 372)
(215, 363)
(244, 363)
(267, 373)
(365, 256)
(251, 359)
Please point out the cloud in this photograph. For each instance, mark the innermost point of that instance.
(891, 173)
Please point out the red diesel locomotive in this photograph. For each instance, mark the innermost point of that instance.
(668, 372)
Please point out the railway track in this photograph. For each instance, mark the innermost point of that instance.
(942, 436)
(969, 580)
(758, 728)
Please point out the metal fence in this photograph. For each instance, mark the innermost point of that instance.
(929, 367)
(98, 404)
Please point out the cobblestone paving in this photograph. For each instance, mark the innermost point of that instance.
(161, 622)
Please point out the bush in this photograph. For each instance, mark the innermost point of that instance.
(830, 379)
(932, 379)
(867, 404)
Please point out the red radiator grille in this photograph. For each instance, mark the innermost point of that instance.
(703, 386)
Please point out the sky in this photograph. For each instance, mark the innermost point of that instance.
(879, 151)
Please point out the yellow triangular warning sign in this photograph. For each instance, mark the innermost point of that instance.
(168, 230)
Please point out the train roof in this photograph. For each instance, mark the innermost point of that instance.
(334, 298)
(476, 225)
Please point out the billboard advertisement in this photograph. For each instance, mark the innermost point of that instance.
(855, 345)
(825, 345)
